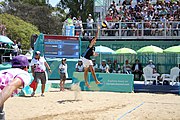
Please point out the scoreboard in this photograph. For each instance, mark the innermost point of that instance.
(61, 47)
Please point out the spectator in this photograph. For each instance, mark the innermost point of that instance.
(137, 69)
(127, 68)
(116, 67)
(15, 48)
(104, 68)
(78, 26)
(151, 64)
(175, 27)
(95, 65)
(79, 66)
(109, 63)
(19, 47)
(69, 21)
(38, 68)
(90, 22)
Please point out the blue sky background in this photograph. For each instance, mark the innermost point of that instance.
(52, 2)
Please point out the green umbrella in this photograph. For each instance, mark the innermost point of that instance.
(150, 49)
(125, 51)
(174, 49)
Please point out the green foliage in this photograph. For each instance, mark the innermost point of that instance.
(32, 2)
(19, 30)
(40, 16)
(78, 7)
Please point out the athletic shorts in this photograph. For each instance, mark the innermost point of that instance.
(62, 76)
(86, 62)
(41, 76)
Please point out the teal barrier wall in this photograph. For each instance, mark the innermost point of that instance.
(5, 66)
(54, 65)
(110, 82)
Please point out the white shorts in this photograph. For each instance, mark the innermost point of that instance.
(86, 62)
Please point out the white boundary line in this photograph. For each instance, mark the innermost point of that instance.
(130, 111)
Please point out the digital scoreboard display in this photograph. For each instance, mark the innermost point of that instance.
(61, 47)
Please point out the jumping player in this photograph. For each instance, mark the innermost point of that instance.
(87, 62)
(12, 79)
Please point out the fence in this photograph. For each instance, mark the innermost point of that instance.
(132, 30)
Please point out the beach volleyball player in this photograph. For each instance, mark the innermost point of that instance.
(86, 59)
(12, 79)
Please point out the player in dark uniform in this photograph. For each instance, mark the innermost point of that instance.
(87, 62)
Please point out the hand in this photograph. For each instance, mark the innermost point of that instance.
(50, 71)
(96, 54)
(98, 27)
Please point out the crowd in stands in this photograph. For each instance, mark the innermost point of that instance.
(143, 18)
(156, 18)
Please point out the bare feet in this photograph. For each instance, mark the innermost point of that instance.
(87, 85)
(97, 82)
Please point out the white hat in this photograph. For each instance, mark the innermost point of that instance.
(150, 61)
(90, 15)
(37, 52)
(79, 60)
(63, 59)
(74, 18)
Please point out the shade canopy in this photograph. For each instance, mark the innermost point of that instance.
(150, 49)
(104, 50)
(173, 49)
(5, 39)
(125, 51)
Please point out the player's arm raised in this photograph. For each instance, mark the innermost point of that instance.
(96, 36)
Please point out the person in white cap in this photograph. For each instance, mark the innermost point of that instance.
(150, 64)
(63, 73)
(79, 66)
(38, 68)
(90, 22)
(104, 68)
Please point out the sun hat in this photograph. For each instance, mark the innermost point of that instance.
(20, 61)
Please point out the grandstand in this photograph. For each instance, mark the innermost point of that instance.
(137, 24)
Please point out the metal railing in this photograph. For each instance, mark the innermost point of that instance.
(132, 30)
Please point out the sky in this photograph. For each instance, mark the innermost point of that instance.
(52, 2)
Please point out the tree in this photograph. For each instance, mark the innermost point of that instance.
(32, 2)
(78, 7)
(17, 29)
(38, 14)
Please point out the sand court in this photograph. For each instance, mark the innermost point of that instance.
(94, 106)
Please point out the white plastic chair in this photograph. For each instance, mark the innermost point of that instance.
(174, 73)
(149, 76)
